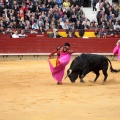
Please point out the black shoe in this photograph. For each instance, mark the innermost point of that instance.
(58, 83)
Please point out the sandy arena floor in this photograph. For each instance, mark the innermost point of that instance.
(28, 92)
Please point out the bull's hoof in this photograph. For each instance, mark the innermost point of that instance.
(82, 81)
(103, 83)
(72, 81)
(92, 81)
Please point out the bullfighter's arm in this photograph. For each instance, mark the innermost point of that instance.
(70, 51)
(52, 54)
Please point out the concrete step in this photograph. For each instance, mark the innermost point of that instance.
(89, 13)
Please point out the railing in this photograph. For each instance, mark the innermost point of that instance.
(87, 33)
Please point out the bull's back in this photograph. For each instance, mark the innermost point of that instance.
(94, 61)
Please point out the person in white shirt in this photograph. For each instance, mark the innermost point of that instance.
(116, 26)
(98, 5)
(15, 35)
(22, 34)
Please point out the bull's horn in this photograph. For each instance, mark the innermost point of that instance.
(65, 77)
(70, 71)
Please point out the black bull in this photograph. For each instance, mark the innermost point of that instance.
(85, 63)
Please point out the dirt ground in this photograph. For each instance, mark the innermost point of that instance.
(28, 92)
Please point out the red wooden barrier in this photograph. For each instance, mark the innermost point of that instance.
(46, 45)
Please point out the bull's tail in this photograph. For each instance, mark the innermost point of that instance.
(111, 68)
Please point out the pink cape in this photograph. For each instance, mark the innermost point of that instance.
(116, 51)
(58, 70)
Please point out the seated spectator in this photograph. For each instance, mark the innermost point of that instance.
(77, 9)
(35, 26)
(110, 24)
(6, 22)
(32, 19)
(118, 20)
(92, 26)
(22, 34)
(110, 15)
(117, 31)
(43, 8)
(21, 14)
(64, 18)
(57, 35)
(2, 30)
(102, 33)
(66, 4)
(59, 26)
(6, 12)
(71, 25)
(73, 19)
(27, 24)
(113, 18)
(119, 15)
(71, 34)
(96, 29)
(41, 30)
(59, 2)
(2, 23)
(47, 25)
(40, 21)
(14, 25)
(52, 25)
(84, 25)
(15, 35)
(119, 6)
(60, 12)
(116, 26)
(64, 25)
(27, 30)
(48, 4)
(78, 25)
(33, 31)
(11, 33)
(20, 25)
(74, 3)
(54, 34)
(110, 31)
(87, 21)
(103, 25)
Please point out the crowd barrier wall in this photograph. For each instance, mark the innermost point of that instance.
(35, 45)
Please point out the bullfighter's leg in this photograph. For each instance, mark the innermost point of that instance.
(97, 75)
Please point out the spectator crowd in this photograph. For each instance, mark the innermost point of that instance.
(38, 16)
